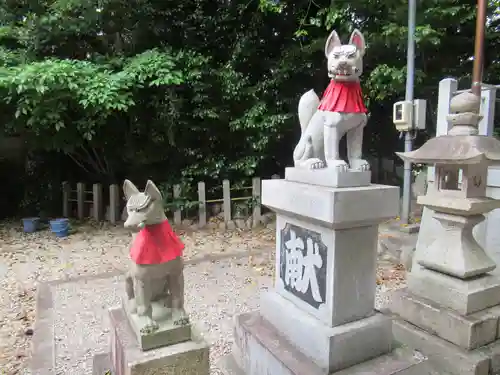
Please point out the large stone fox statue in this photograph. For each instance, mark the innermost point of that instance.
(156, 269)
(341, 111)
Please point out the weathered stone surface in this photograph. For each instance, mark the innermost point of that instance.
(101, 364)
(267, 217)
(261, 350)
(468, 332)
(332, 207)
(167, 333)
(411, 228)
(443, 355)
(343, 289)
(330, 348)
(186, 358)
(463, 296)
(455, 252)
(328, 177)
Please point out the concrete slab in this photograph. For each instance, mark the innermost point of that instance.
(469, 332)
(352, 342)
(262, 350)
(443, 355)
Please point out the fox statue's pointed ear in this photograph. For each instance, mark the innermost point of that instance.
(332, 41)
(358, 40)
(129, 189)
(152, 190)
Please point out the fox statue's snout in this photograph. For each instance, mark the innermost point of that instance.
(135, 219)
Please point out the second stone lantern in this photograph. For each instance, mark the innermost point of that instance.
(451, 299)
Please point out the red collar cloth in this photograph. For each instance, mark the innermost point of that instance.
(156, 244)
(343, 96)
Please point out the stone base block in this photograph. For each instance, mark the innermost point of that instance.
(328, 177)
(331, 348)
(469, 331)
(187, 358)
(101, 364)
(167, 333)
(260, 349)
(446, 357)
(463, 296)
(332, 207)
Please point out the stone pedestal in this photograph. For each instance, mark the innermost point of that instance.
(167, 333)
(320, 317)
(127, 358)
(450, 310)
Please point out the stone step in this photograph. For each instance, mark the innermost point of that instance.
(446, 356)
(260, 350)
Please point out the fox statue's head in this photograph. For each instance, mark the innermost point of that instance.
(143, 208)
(345, 61)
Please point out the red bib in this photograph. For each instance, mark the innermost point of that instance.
(343, 97)
(156, 244)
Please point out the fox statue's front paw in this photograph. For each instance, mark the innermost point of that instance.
(339, 165)
(150, 326)
(314, 163)
(132, 306)
(360, 165)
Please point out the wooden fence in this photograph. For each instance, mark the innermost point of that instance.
(84, 203)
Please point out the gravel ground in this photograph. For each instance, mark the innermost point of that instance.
(27, 259)
(215, 291)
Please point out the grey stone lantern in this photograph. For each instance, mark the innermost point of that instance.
(458, 197)
(450, 309)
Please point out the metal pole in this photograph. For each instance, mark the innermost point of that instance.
(477, 72)
(410, 72)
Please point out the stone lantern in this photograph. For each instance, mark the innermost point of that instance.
(451, 299)
(458, 197)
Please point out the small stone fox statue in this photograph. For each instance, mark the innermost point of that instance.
(156, 270)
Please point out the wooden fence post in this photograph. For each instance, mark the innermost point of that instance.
(114, 203)
(66, 191)
(256, 193)
(80, 199)
(97, 201)
(177, 212)
(202, 207)
(226, 196)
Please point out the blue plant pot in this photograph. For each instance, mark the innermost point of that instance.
(60, 227)
(30, 224)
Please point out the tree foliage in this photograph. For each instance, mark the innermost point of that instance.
(200, 90)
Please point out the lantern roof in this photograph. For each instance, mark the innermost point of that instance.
(456, 149)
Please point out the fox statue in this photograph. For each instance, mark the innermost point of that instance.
(156, 269)
(341, 111)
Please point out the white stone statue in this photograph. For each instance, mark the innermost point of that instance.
(341, 111)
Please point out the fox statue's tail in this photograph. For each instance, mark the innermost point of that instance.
(308, 105)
